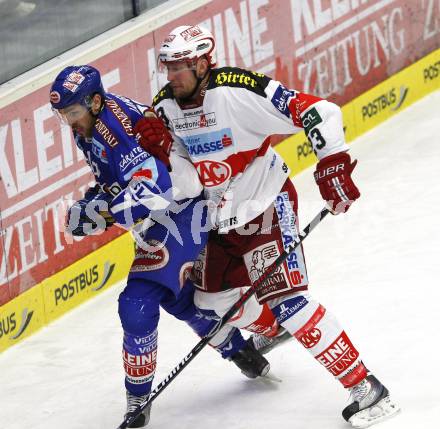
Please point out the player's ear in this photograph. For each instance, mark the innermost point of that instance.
(202, 67)
(96, 104)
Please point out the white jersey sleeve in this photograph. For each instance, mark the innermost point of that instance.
(320, 119)
(184, 178)
(265, 107)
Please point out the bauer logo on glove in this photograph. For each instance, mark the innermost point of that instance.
(333, 176)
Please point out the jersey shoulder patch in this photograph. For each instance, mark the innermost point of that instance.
(163, 94)
(239, 78)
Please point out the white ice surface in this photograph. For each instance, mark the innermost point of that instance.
(377, 268)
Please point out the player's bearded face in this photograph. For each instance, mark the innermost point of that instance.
(181, 77)
(78, 118)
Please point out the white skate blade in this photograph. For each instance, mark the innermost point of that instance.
(383, 410)
(270, 376)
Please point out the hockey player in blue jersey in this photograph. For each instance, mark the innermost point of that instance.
(133, 188)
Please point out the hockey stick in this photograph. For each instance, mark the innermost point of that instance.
(231, 312)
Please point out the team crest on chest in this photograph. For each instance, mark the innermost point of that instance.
(213, 173)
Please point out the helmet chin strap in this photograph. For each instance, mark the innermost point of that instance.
(88, 104)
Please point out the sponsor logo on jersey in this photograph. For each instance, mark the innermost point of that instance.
(198, 271)
(185, 273)
(193, 112)
(145, 344)
(226, 223)
(231, 77)
(339, 356)
(132, 159)
(213, 173)
(261, 329)
(194, 121)
(98, 149)
(139, 368)
(257, 262)
(190, 33)
(202, 144)
(289, 308)
(239, 78)
(354, 375)
(311, 338)
(317, 316)
(289, 233)
(106, 134)
(120, 115)
(164, 93)
(149, 339)
(153, 256)
(310, 119)
(281, 98)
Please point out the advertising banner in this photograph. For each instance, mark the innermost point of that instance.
(337, 49)
(57, 294)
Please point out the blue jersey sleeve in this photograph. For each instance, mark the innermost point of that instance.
(148, 190)
(143, 182)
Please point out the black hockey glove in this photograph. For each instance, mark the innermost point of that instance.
(90, 215)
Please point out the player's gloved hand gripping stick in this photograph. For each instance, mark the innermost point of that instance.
(243, 299)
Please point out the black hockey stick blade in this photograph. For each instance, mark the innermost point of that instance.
(231, 312)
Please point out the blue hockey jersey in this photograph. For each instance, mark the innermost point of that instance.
(114, 156)
(171, 199)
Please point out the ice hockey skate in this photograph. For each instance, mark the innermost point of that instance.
(251, 362)
(265, 344)
(133, 404)
(369, 403)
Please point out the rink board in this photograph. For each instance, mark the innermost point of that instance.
(65, 290)
(109, 264)
(337, 51)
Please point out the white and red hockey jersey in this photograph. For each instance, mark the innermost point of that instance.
(226, 138)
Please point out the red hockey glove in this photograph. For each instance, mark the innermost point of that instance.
(333, 176)
(154, 136)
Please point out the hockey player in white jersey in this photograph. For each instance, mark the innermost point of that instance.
(222, 118)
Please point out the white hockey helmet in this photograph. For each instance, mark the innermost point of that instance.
(188, 43)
